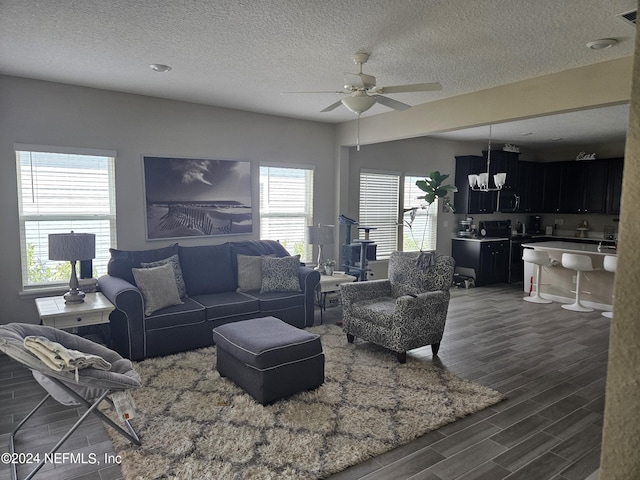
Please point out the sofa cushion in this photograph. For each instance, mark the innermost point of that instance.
(158, 287)
(207, 269)
(277, 301)
(227, 304)
(122, 261)
(185, 314)
(174, 261)
(280, 274)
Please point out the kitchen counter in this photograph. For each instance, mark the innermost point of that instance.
(558, 283)
(571, 247)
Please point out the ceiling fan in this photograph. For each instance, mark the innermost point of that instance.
(362, 92)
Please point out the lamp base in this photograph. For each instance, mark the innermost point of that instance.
(74, 296)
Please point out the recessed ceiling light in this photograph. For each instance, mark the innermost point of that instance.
(525, 134)
(159, 67)
(602, 43)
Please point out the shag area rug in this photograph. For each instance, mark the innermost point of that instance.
(195, 424)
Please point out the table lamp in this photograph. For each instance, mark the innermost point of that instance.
(72, 247)
(320, 235)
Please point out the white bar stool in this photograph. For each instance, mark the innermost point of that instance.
(539, 259)
(610, 265)
(579, 263)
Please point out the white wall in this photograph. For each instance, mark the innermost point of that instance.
(45, 113)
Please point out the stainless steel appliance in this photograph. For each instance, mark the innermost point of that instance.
(465, 229)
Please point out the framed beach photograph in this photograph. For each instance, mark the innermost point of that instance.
(189, 197)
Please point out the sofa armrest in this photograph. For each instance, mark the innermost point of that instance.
(127, 320)
(309, 280)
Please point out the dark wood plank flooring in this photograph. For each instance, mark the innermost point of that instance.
(550, 363)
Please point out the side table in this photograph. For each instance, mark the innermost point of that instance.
(55, 313)
(330, 284)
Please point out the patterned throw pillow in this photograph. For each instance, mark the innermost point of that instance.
(158, 287)
(174, 260)
(280, 274)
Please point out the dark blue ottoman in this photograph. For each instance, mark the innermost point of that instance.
(268, 358)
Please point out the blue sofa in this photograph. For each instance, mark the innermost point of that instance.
(210, 275)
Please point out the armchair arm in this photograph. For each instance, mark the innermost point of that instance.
(358, 291)
(421, 320)
(127, 320)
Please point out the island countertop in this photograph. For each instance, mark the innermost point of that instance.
(571, 247)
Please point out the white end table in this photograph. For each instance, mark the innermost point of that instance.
(93, 311)
(330, 284)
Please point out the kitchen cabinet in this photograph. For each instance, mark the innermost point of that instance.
(583, 187)
(466, 200)
(530, 186)
(614, 187)
(551, 180)
(489, 259)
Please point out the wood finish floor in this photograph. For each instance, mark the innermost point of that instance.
(550, 363)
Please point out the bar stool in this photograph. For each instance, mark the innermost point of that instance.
(610, 265)
(539, 259)
(579, 263)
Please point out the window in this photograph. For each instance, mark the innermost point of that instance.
(286, 207)
(417, 235)
(379, 197)
(63, 190)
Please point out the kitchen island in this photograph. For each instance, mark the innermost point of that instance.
(558, 282)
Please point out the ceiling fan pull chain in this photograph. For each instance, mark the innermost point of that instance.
(358, 135)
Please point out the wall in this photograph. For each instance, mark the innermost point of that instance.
(45, 113)
(621, 431)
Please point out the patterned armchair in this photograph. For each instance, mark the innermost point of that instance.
(406, 311)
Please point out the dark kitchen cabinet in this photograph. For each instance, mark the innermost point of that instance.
(551, 181)
(614, 188)
(584, 186)
(488, 259)
(466, 200)
(530, 186)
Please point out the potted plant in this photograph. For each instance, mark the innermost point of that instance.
(329, 266)
(434, 189)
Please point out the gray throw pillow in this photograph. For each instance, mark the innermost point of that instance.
(280, 274)
(158, 287)
(249, 272)
(174, 260)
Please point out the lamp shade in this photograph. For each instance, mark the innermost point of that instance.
(320, 235)
(72, 246)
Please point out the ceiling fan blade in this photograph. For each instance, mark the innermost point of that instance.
(333, 106)
(391, 103)
(329, 91)
(416, 87)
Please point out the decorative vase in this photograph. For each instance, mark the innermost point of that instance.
(328, 270)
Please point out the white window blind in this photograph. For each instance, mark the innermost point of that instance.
(379, 197)
(286, 207)
(418, 236)
(58, 192)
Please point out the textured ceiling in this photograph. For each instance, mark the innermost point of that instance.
(243, 54)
